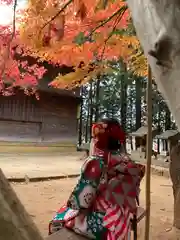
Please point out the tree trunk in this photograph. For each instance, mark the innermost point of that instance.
(87, 124)
(159, 127)
(157, 26)
(97, 98)
(80, 124)
(123, 96)
(167, 118)
(138, 103)
(174, 169)
(131, 127)
(15, 222)
(91, 112)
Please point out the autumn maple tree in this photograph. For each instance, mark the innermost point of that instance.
(78, 33)
(14, 72)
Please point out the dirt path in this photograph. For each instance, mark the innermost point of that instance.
(42, 199)
(40, 165)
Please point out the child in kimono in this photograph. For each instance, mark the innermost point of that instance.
(103, 202)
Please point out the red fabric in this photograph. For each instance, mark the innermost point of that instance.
(92, 170)
(121, 170)
(117, 221)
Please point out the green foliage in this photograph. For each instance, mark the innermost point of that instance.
(80, 39)
(111, 100)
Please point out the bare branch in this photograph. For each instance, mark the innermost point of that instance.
(103, 22)
(117, 20)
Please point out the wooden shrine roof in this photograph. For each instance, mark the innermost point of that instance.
(169, 134)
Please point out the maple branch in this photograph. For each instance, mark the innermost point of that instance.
(57, 14)
(103, 22)
(117, 20)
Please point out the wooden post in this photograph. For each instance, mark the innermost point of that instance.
(148, 154)
(15, 222)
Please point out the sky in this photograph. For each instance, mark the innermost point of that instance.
(6, 12)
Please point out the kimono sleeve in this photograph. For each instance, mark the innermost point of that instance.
(85, 191)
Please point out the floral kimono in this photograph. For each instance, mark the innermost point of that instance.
(103, 202)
